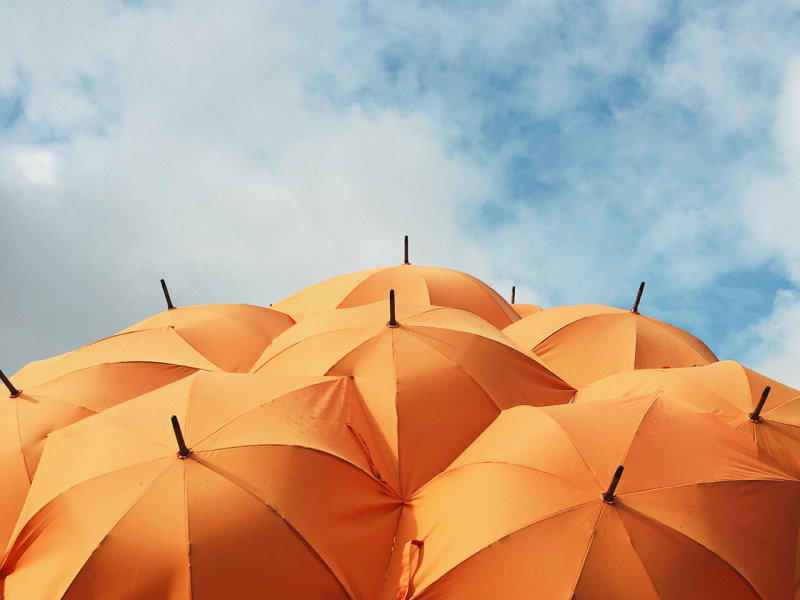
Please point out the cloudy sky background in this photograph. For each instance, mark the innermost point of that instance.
(246, 150)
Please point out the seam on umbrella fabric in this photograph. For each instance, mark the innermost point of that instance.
(697, 543)
(639, 558)
(286, 522)
(578, 574)
(577, 449)
(115, 523)
(266, 402)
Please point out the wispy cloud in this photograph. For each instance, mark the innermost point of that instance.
(244, 151)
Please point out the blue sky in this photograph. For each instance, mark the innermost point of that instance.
(246, 150)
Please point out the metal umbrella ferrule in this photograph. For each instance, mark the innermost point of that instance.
(183, 451)
(166, 295)
(635, 308)
(14, 392)
(755, 416)
(513, 293)
(392, 319)
(608, 495)
(405, 259)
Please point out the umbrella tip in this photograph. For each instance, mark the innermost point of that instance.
(608, 495)
(392, 320)
(755, 416)
(183, 451)
(635, 309)
(14, 392)
(166, 295)
(405, 259)
(513, 293)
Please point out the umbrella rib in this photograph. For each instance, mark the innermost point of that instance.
(776, 480)
(692, 541)
(242, 485)
(243, 415)
(586, 552)
(589, 546)
(577, 449)
(123, 513)
(21, 444)
(367, 474)
(780, 405)
(512, 532)
(444, 474)
(656, 396)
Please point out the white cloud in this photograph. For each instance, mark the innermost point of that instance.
(775, 351)
(243, 151)
(29, 165)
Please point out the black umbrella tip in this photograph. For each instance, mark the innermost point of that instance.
(635, 309)
(392, 317)
(13, 392)
(608, 495)
(755, 416)
(166, 295)
(183, 451)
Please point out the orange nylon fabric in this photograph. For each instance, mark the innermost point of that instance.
(523, 310)
(431, 385)
(726, 389)
(57, 402)
(586, 342)
(422, 285)
(277, 498)
(696, 513)
(232, 336)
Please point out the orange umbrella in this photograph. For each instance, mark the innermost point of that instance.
(432, 381)
(232, 336)
(586, 342)
(66, 388)
(432, 286)
(540, 507)
(271, 494)
(765, 410)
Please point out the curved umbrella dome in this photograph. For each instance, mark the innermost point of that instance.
(232, 336)
(695, 513)
(61, 390)
(431, 384)
(585, 342)
(276, 498)
(725, 388)
(433, 286)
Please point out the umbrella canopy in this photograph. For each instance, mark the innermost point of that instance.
(433, 286)
(694, 514)
(64, 389)
(523, 310)
(272, 494)
(727, 389)
(431, 383)
(232, 336)
(586, 342)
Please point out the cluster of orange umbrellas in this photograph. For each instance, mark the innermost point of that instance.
(398, 433)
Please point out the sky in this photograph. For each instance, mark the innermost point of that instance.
(245, 150)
